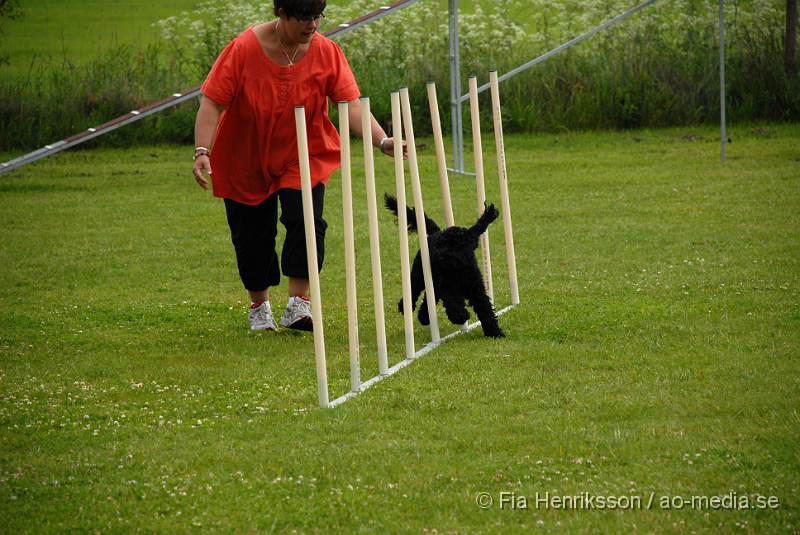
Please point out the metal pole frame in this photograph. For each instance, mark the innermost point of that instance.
(455, 90)
(722, 119)
(568, 44)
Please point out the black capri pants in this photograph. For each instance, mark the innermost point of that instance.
(255, 227)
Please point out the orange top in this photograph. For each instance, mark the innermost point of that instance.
(255, 149)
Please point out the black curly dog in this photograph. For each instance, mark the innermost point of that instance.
(456, 277)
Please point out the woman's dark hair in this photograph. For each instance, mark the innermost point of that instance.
(300, 8)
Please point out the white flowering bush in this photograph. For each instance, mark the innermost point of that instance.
(202, 33)
(659, 67)
(656, 67)
(413, 41)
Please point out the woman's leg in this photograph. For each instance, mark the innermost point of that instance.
(294, 260)
(253, 231)
(298, 287)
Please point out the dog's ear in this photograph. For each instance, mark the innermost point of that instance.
(390, 202)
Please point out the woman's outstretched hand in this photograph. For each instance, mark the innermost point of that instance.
(387, 147)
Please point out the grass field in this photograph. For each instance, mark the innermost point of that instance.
(654, 355)
(57, 30)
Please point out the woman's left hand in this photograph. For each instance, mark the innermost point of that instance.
(387, 147)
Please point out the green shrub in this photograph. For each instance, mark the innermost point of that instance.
(59, 100)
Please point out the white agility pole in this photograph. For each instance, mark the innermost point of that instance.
(504, 198)
(441, 160)
(422, 232)
(402, 223)
(311, 252)
(481, 187)
(401, 118)
(374, 237)
(349, 246)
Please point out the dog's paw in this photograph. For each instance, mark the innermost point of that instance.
(494, 333)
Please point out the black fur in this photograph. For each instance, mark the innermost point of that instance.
(457, 280)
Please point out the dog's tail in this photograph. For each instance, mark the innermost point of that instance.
(490, 213)
(411, 215)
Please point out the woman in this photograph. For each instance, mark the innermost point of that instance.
(245, 131)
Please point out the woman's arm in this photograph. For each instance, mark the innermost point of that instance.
(205, 128)
(378, 134)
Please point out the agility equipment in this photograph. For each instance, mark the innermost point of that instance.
(402, 124)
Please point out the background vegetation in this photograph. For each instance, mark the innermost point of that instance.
(655, 351)
(657, 69)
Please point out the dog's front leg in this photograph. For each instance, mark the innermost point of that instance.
(417, 284)
(456, 309)
(422, 315)
(483, 308)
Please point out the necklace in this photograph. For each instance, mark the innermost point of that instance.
(283, 49)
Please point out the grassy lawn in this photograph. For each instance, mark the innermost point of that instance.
(654, 354)
(58, 30)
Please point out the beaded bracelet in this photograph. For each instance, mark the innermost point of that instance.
(201, 151)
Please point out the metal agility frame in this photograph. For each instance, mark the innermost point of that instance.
(456, 98)
(402, 122)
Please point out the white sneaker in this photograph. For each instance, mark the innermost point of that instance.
(298, 314)
(261, 318)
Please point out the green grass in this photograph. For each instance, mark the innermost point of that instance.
(57, 30)
(655, 351)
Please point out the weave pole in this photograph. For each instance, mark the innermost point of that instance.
(422, 232)
(402, 123)
(402, 223)
(511, 258)
(374, 237)
(311, 253)
(441, 160)
(349, 247)
(481, 187)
